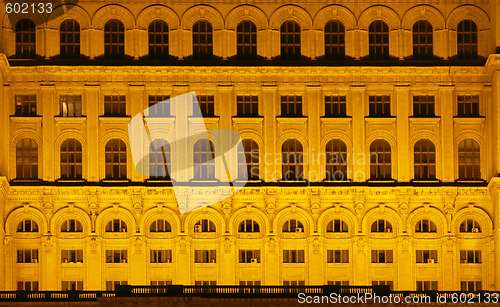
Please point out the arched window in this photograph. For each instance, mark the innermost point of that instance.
(467, 40)
(71, 225)
(380, 160)
(114, 38)
(26, 159)
(422, 40)
(249, 226)
(293, 226)
(334, 40)
(159, 159)
(158, 39)
(378, 33)
(381, 226)
(292, 160)
(116, 225)
(25, 39)
(470, 225)
(424, 154)
(160, 225)
(204, 163)
(469, 167)
(69, 34)
(204, 225)
(425, 225)
(71, 159)
(116, 159)
(246, 40)
(337, 226)
(248, 161)
(336, 160)
(27, 226)
(202, 40)
(290, 40)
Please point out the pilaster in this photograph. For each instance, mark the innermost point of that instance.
(447, 137)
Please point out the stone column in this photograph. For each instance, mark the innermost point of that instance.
(314, 103)
(446, 112)
(269, 109)
(402, 105)
(91, 110)
(47, 106)
(360, 168)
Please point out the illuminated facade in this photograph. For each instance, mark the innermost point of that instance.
(406, 97)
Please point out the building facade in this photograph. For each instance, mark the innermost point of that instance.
(370, 130)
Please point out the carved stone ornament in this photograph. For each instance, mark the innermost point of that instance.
(182, 241)
(315, 208)
(271, 244)
(139, 242)
(228, 244)
(226, 207)
(360, 243)
(94, 243)
(48, 242)
(271, 208)
(7, 240)
(359, 208)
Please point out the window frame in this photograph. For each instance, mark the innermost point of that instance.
(296, 166)
(25, 28)
(378, 40)
(158, 39)
(115, 170)
(290, 40)
(202, 39)
(423, 49)
(114, 39)
(72, 48)
(246, 40)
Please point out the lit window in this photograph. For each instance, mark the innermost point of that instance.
(336, 160)
(27, 226)
(205, 256)
(337, 226)
(160, 226)
(293, 226)
(249, 226)
(424, 160)
(116, 225)
(381, 226)
(469, 160)
(25, 105)
(71, 105)
(248, 161)
(159, 159)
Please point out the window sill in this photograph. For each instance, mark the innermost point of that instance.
(343, 117)
(422, 181)
(477, 117)
(382, 181)
(381, 117)
(111, 180)
(26, 119)
(256, 117)
(291, 116)
(424, 117)
(80, 180)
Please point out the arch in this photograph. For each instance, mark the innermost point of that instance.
(341, 213)
(424, 165)
(23, 224)
(300, 214)
(379, 12)
(471, 12)
(157, 11)
(112, 213)
(37, 19)
(482, 159)
(388, 214)
(76, 12)
(423, 12)
(66, 213)
(246, 12)
(113, 11)
(292, 135)
(154, 214)
(22, 213)
(205, 213)
(253, 213)
(475, 213)
(290, 12)
(430, 213)
(69, 134)
(202, 11)
(335, 12)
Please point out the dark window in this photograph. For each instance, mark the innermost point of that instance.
(382, 256)
(246, 40)
(161, 283)
(206, 106)
(426, 256)
(27, 256)
(470, 225)
(110, 285)
(160, 225)
(248, 161)
(379, 40)
(424, 154)
(247, 105)
(338, 283)
(158, 39)
(423, 106)
(116, 225)
(427, 285)
(202, 40)
(71, 225)
(249, 226)
(71, 256)
(467, 40)
(27, 226)
(293, 256)
(160, 256)
(26, 159)
(25, 105)
(290, 40)
(291, 106)
(422, 40)
(335, 106)
(69, 38)
(114, 105)
(337, 226)
(380, 106)
(249, 283)
(205, 283)
(381, 226)
(114, 38)
(205, 256)
(116, 159)
(425, 226)
(203, 156)
(334, 40)
(116, 256)
(159, 159)
(71, 105)
(468, 105)
(204, 225)
(470, 286)
(294, 283)
(249, 256)
(337, 256)
(27, 285)
(292, 160)
(469, 160)
(25, 39)
(293, 226)
(336, 160)
(72, 285)
(159, 106)
(71, 159)
(380, 160)
(389, 283)
(470, 256)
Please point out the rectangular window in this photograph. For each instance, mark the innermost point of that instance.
(291, 106)
(381, 256)
(380, 106)
(423, 106)
(427, 285)
(71, 105)
(114, 105)
(335, 106)
(27, 256)
(389, 283)
(337, 256)
(426, 256)
(294, 283)
(293, 256)
(25, 105)
(205, 283)
(27, 285)
(206, 106)
(249, 256)
(247, 105)
(205, 256)
(110, 285)
(72, 285)
(249, 282)
(471, 286)
(468, 105)
(338, 283)
(161, 256)
(71, 256)
(116, 256)
(161, 283)
(159, 106)
(470, 256)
